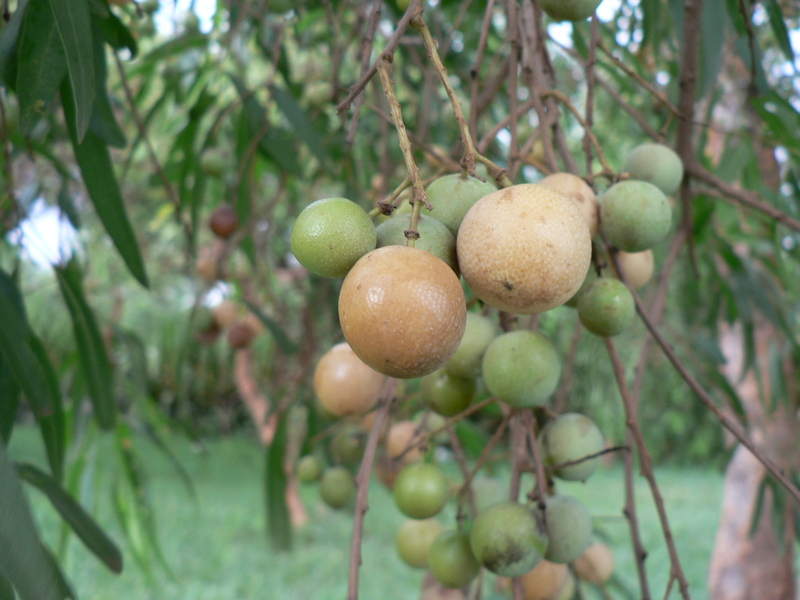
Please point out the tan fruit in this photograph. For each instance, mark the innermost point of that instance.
(577, 189)
(240, 335)
(206, 267)
(227, 313)
(637, 266)
(545, 581)
(403, 311)
(344, 384)
(402, 435)
(596, 564)
(524, 249)
(256, 324)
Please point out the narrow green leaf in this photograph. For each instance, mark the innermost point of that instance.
(91, 350)
(712, 24)
(472, 437)
(67, 206)
(285, 344)
(180, 470)
(103, 122)
(115, 33)
(74, 29)
(301, 122)
(778, 24)
(9, 400)
(8, 46)
(279, 525)
(6, 589)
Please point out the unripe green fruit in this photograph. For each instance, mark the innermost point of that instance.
(420, 491)
(337, 487)
(569, 526)
(434, 237)
(308, 469)
(214, 162)
(507, 539)
(11, 107)
(521, 368)
(447, 395)
(569, 437)
(607, 307)
(635, 215)
(478, 334)
(451, 561)
(569, 10)
(453, 195)
(414, 540)
(348, 445)
(657, 164)
(330, 235)
(591, 277)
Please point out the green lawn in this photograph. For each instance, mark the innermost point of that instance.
(218, 550)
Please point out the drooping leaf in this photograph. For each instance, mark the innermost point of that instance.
(9, 400)
(778, 24)
(8, 46)
(103, 122)
(301, 122)
(286, 345)
(6, 589)
(115, 33)
(279, 525)
(712, 24)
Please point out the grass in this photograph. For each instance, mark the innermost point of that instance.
(217, 547)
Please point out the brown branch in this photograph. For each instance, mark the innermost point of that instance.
(461, 459)
(589, 69)
(631, 514)
(476, 69)
(566, 378)
(257, 403)
(518, 446)
(366, 51)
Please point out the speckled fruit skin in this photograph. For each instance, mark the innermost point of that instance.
(507, 539)
(478, 334)
(583, 195)
(400, 436)
(344, 384)
(447, 395)
(451, 561)
(569, 437)
(414, 539)
(524, 249)
(337, 487)
(569, 525)
(330, 235)
(635, 215)
(657, 164)
(521, 368)
(420, 491)
(637, 266)
(453, 195)
(403, 311)
(607, 307)
(544, 581)
(434, 237)
(596, 564)
(308, 469)
(569, 10)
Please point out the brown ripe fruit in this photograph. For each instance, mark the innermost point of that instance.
(524, 249)
(227, 313)
(240, 335)
(637, 266)
(224, 221)
(403, 311)
(583, 195)
(256, 324)
(596, 564)
(344, 384)
(544, 581)
(402, 435)
(206, 268)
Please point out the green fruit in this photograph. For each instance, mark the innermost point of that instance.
(507, 539)
(570, 437)
(337, 487)
(309, 469)
(591, 277)
(447, 395)
(569, 526)
(453, 195)
(11, 107)
(330, 235)
(657, 164)
(214, 162)
(478, 334)
(347, 446)
(150, 6)
(414, 540)
(635, 215)
(420, 491)
(521, 368)
(403, 4)
(434, 237)
(451, 561)
(607, 307)
(569, 10)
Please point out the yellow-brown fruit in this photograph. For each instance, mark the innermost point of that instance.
(577, 189)
(206, 267)
(344, 384)
(403, 311)
(227, 313)
(402, 435)
(596, 564)
(524, 249)
(637, 266)
(256, 324)
(224, 221)
(544, 581)
(240, 335)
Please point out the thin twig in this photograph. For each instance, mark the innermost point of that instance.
(631, 514)
(366, 52)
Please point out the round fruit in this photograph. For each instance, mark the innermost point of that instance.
(403, 435)
(524, 249)
(451, 561)
(420, 491)
(544, 581)
(403, 4)
(434, 237)
(202, 320)
(348, 445)
(453, 195)
(224, 221)
(11, 108)
(568, 591)
(570, 437)
(240, 335)
(635, 214)
(330, 235)
(227, 313)
(414, 540)
(478, 334)
(521, 368)
(569, 526)
(637, 266)
(403, 311)
(308, 469)
(507, 539)
(591, 277)
(214, 162)
(569, 10)
(337, 487)
(447, 395)
(583, 195)
(657, 164)
(344, 384)
(607, 307)
(596, 564)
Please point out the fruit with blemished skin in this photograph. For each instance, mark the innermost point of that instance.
(569, 10)
(344, 384)
(524, 249)
(224, 221)
(607, 307)
(447, 395)
(635, 215)
(240, 335)
(569, 525)
(451, 561)
(420, 491)
(657, 164)
(583, 195)
(544, 581)
(478, 334)
(508, 539)
(569, 437)
(434, 237)
(403, 311)
(453, 195)
(348, 445)
(308, 469)
(414, 540)
(401, 436)
(596, 564)
(337, 487)
(637, 266)
(521, 368)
